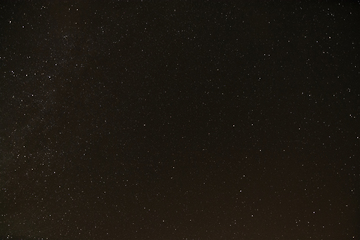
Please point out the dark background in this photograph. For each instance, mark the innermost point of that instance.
(180, 119)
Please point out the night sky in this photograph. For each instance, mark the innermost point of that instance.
(169, 120)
